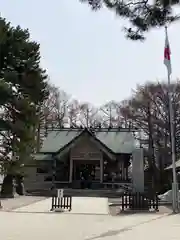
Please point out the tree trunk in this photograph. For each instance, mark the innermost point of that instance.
(20, 185)
(7, 190)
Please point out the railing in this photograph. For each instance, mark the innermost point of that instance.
(61, 203)
(139, 201)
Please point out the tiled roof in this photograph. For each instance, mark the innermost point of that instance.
(117, 141)
(58, 139)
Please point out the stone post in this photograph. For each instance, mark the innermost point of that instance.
(138, 170)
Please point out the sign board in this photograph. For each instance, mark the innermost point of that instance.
(60, 193)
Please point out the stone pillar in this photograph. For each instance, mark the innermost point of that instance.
(138, 170)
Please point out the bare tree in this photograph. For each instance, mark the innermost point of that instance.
(148, 109)
(73, 112)
(111, 113)
(88, 115)
(53, 112)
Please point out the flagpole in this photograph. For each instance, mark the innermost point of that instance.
(174, 183)
(175, 192)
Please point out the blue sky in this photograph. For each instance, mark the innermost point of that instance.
(86, 53)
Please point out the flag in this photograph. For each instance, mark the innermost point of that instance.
(167, 53)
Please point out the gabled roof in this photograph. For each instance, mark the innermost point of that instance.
(117, 141)
(56, 140)
(92, 138)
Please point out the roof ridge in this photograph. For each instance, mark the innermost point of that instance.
(96, 129)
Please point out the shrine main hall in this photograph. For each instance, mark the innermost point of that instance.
(68, 156)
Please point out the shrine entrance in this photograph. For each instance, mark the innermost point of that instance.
(86, 172)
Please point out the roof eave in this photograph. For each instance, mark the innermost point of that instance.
(42, 157)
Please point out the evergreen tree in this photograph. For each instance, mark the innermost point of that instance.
(24, 88)
(143, 15)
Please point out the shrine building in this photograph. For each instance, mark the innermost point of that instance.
(100, 156)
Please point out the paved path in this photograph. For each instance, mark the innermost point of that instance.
(20, 226)
(80, 205)
(26, 223)
(18, 201)
(90, 205)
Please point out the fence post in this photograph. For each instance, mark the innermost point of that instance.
(157, 203)
(52, 204)
(70, 203)
(123, 202)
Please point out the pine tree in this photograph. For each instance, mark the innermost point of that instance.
(24, 88)
(142, 15)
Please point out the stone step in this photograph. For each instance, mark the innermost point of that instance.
(45, 190)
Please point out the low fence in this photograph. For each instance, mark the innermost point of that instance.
(63, 203)
(139, 201)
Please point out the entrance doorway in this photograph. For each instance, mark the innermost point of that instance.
(85, 173)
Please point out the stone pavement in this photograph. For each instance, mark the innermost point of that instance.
(20, 226)
(80, 205)
(26, 224)
(18, 201)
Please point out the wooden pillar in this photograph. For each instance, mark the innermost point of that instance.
(122, 170)
(126, 169)
(54, 165)
(71, 170)
(101, 169)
